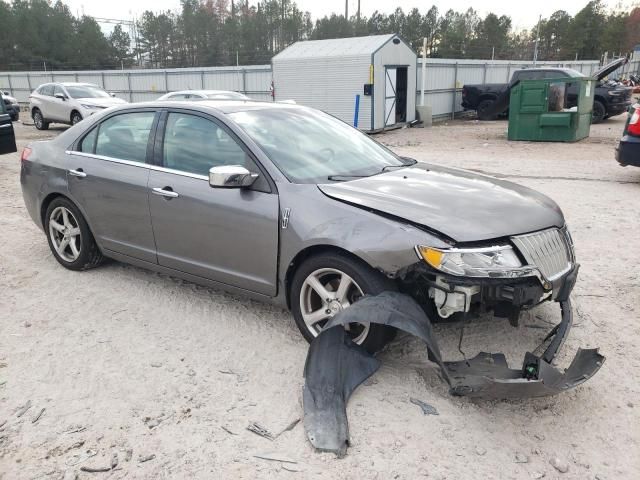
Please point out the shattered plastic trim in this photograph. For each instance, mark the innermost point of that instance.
(335, 366)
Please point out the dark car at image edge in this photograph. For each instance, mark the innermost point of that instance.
(611, 98)
(628, 150)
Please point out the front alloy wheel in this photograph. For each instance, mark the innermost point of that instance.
(326, 292)
(327, 283)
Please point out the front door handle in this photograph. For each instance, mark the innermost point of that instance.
(77, 173)
(165, 192)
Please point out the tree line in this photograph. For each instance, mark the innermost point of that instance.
(38, 34)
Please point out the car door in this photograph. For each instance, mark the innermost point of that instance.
(43, 100)
(226, 235)
(7, 135)
(107, 177)
(59, 108)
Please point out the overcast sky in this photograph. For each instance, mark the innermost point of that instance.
(523, 13)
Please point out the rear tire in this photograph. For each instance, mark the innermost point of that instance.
(69, 237)
(483, 110)
(39, 121)
(599, 112)
(330, 270)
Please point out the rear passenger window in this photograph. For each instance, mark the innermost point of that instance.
(88, 143)
(125, 136)
(194, 144)
(46, 90)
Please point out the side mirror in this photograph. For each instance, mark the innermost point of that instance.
(113, 95)
(61, 96)
(231, 176)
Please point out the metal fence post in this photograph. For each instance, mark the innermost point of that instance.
(166, 81)
(484, 74)
(244, 81)
(455, 92)
(102, 77)
(10, 86)
(29, 81)
(508, 72)
(129, 86)
(202, 79)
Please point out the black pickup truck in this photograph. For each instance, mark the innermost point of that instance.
(490, 99)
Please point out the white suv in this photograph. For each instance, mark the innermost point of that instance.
(67, 103)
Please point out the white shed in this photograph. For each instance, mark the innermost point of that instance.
(330, 74)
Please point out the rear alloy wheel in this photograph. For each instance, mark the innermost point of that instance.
(75, 118)
(69, 237)
(39, 121)
(324, 285)
(599, 112)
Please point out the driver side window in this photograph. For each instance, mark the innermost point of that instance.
(194, 144)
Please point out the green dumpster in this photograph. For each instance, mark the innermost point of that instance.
(551, 110)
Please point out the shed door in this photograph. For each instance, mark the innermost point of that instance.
(390, 96)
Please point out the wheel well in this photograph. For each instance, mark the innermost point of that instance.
(601, 100)
(303, 255)
(33, 111)
(46, 202)
(72, 112)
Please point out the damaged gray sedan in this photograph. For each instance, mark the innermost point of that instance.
(285, 202)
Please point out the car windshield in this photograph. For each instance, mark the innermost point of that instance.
(86, 91)
(309, 146)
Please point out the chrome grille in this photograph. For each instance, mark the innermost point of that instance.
(549, 250)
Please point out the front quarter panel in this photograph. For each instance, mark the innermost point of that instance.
(317, 220)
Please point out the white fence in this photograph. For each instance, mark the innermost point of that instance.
(144, 85)
(443, 86)
(445, 78)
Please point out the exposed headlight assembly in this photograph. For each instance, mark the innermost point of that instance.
(498, 261)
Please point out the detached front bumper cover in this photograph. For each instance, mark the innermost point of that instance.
(335, 366)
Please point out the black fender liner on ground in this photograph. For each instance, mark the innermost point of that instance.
(335, 366)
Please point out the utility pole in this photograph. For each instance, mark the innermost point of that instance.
(346, 9)
(535, 50)
(358, 14)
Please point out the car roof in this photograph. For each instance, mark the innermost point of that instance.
(77, 84)
(567, 71)
(222, 106)
(204, 92)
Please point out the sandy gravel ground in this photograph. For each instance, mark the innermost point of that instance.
(167, 375)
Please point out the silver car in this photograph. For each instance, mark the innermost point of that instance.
(204, 94)
(287, 203)
(68, 103)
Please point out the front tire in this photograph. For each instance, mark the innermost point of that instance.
(39, 121)
(327, 283)
(69, 237)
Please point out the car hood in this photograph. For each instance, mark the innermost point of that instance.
(609, 67)
(10, 98)
(464, 206)
(102, 102)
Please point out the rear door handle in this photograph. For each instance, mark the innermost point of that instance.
(165, 192)
(77, 173)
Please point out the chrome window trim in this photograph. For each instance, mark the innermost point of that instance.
(138, 164)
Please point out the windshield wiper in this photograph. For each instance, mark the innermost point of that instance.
(409, 162)
(342, 178)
